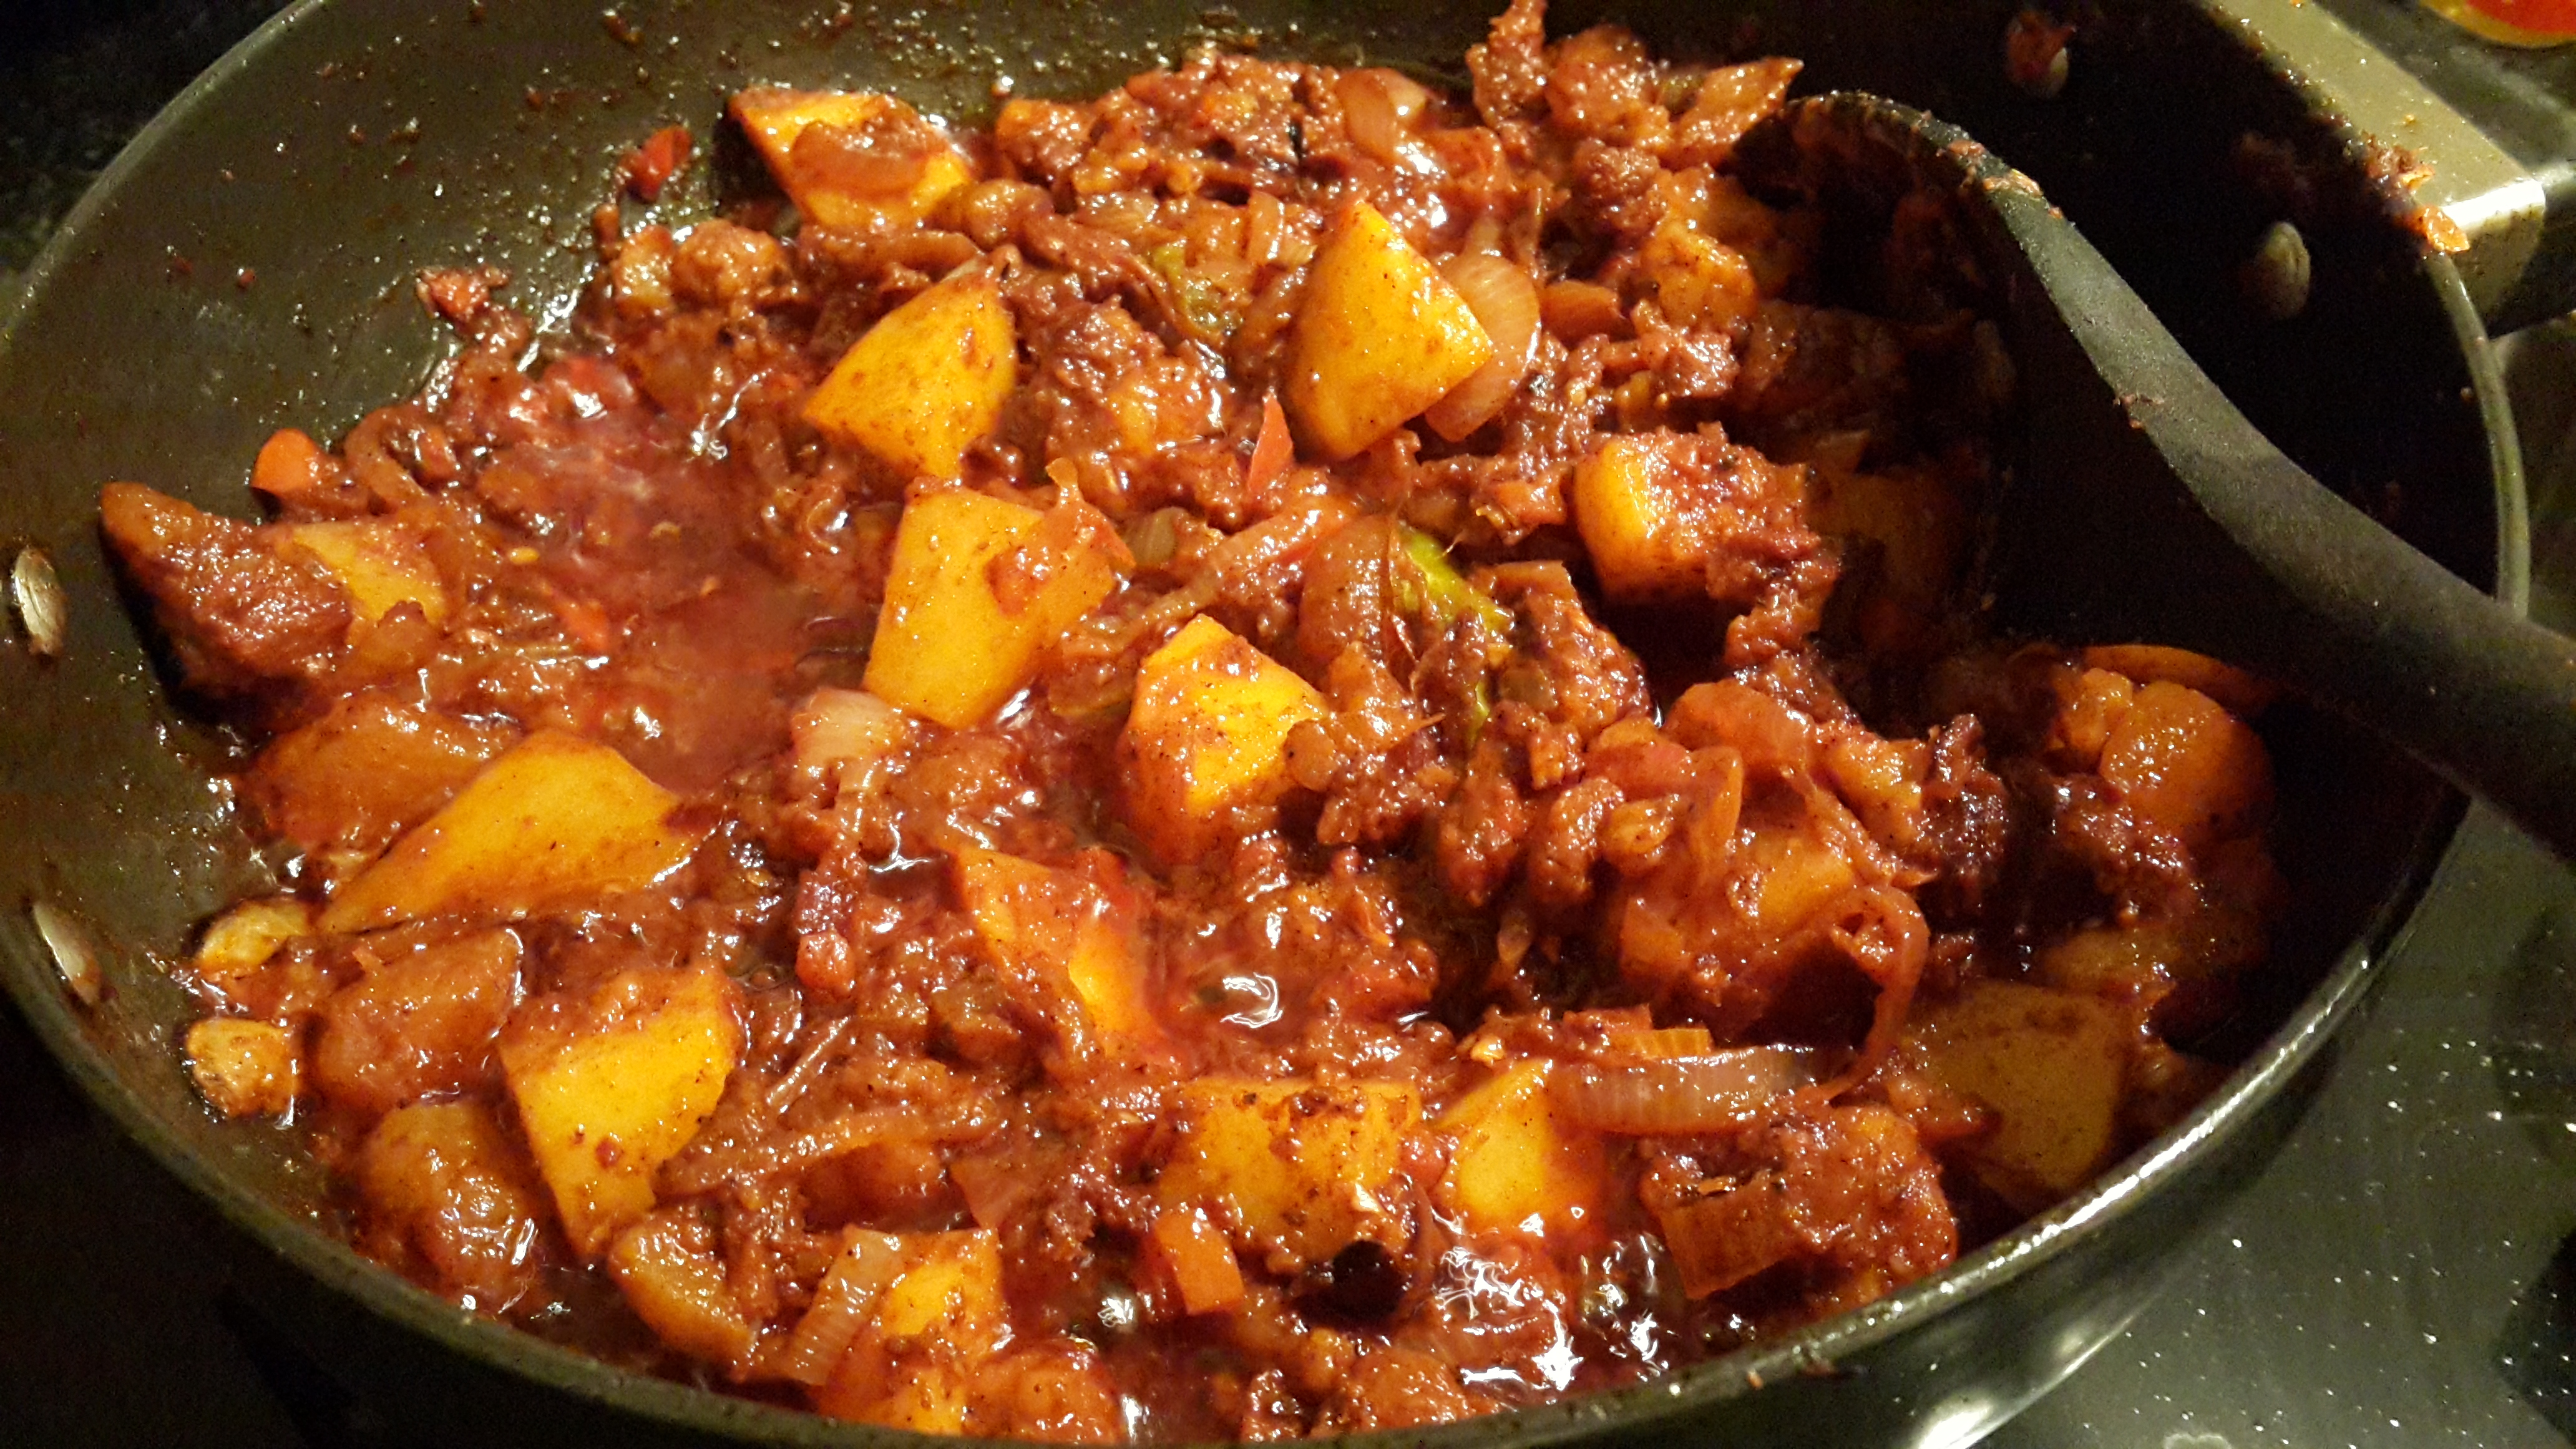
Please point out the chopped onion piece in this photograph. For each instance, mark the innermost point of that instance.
(1378, 108)
(839, 731)
(1505, 302)
(1679, 1096)
(74, 957)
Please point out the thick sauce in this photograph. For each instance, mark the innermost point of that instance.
(1272, 755)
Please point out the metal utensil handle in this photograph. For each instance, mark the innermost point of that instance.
(2497, 137)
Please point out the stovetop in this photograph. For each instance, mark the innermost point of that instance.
(2404, 1273)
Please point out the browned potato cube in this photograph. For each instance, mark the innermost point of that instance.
(1517, 1168)
(612, 1084)
(380, 563)
(927, 381)
(1062, 929)
(1296, 1166)
(2050, 1064)
(444, 1194)
(556, 820)
(668, 1269)
(1379, 337)
(1208, 735)
(870, 160)
(978, 595)
(371, 767)
(417, 1025)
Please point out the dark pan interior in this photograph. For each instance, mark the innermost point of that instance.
(248, 266)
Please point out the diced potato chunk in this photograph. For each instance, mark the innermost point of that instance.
(1799, 876)
(381, 564)
(1197, 1260)
(1920, 525)
(1657, 509)
(555, 820)
(886, 167)
(440, 1185)
(610, 1086)
(979, 592)
(951, 1290)
(667, 1267)
(1517, 1169)
(2187, 765)
(245, 1068)
(927, 381)
(1379, 337)
(1208, 734)
(242, 939)
(1699, 283)
(936, 1326)
(1060, 928)
(2050, 1065)
(1297, 1166)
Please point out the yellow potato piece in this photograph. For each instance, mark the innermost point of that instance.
(667, 1267)
(1517, 1169)
(1699, 283)
(1379, 337)
(1636, 523)
(2050, 1064)
(1299, 1167)
(952, 1290)
(1919, 524)
(1207, 734)
(610, 1088)
(1058, 926)
(979, 592)
(1799, 876)
(927, 381)
(381, 565)
(773, 118)
(936, 1325)
(556, 819)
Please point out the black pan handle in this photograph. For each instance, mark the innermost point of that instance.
(2495, 126)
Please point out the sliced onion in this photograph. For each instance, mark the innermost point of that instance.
(862, 163)
(1680, 1096)
(1505, 302)
(1378, 109)
(842, 1306)
(838, 731)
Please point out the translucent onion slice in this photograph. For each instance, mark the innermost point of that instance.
(1505, 302)
(1378, 109)
(845, 731)
(1680, 1096)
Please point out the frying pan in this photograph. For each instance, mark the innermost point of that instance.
(247, 264)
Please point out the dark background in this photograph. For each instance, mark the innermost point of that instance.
(2401, 1275)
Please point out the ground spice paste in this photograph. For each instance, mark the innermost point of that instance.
(1276, 754)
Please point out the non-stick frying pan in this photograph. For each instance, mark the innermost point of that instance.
(247, 266)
